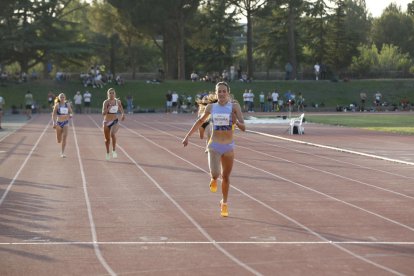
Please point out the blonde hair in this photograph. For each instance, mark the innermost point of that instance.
(109, 90)
(57, 99)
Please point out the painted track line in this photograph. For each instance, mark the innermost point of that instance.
(7, 190)
(333, 148)
(323, 171)
(329, 173)
(331, 159)
(211, 243)
(181, 209)
(271, 208)
(88, 204)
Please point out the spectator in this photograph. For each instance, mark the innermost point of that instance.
(377, 100)
(317, 69)
(51, 99)
(174, 100)
(194, 77)
(251, 101)
(262, 101)
(363, 97)
(275, 101)
(130, 106)
(119, 80)
(288, 70)
(246, 100)
(168, 104)
(29, 101)
(78, 102)
(87, 97)
(269, 102)
(300, 102)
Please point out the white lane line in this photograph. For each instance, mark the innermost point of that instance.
(329, 173)
(276, 211)
(332, 159)
(323, 171)
(333, 148)
(88, 204)
(213, 242)
(23, 165)
(173, 201)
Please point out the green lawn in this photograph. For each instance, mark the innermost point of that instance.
(397, 123)
(326, 94)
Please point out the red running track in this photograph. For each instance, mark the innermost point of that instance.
(295, 208)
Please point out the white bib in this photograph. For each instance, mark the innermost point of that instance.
(63, 110)
(220, 119)
(113, 109)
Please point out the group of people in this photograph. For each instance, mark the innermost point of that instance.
(219, 114)
(63, 112)
(273, 102)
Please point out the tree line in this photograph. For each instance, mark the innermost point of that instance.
(175, 38)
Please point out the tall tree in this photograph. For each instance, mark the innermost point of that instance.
(316, 29)
(166, 19)
(211, 42)
(286, 18)
(396, 28)
(37, 31)
(248, 8)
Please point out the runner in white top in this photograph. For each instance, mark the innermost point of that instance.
(110, 108)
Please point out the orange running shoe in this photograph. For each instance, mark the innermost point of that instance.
(213, 185)
(224, 210)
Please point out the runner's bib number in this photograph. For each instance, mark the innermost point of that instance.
(113, 109)
(221, 119)
(64, 110)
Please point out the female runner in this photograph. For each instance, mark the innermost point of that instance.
(110, 108)
(224, 115)
(62, 112)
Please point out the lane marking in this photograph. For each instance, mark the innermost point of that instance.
(333, 148)
(274, 210)
(89, 209)
(329, 173)
(178, 206)
(331, 159)
(212, 242)
(23, 165)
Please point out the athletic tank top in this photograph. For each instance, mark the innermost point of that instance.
(114, 108)
(63, 109)
(222, 116)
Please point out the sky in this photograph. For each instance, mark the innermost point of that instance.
(376, 7)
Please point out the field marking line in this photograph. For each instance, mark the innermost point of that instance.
(181, 209)
(332, 148)
(89, 209)
(211, 242)
(341, 248)
(7, 190)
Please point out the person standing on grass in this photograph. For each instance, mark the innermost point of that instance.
(78, 102)
(62, 112)
(87, 98)
(110, 109)
(28, 99)
(225, 114)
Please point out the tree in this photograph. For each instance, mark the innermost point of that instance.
(35, 32)
(162, 18)
(316, 29)
(249, 8)
(396, 28)
(213, 30)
